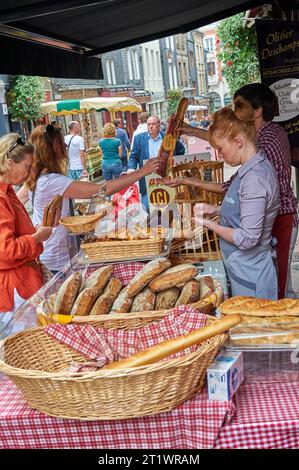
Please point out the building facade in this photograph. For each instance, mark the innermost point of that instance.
(169, 63)
(182, 60)
(153, 78)
(218, 89)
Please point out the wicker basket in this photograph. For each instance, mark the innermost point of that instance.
(82, 223)
(36, 364)
(123, 249)
(124, 321)
(209, 171)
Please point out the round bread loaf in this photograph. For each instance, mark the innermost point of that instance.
(67, 294)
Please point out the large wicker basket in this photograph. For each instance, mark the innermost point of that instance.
(36, 364)
(125, 321)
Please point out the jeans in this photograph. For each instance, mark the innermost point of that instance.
(111, 172)
(75, 174)
(124, 162)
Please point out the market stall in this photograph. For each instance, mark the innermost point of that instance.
(89, 112)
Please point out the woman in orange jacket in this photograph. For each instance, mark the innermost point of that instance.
(20, 242)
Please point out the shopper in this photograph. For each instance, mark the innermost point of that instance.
(112, 151)
(250, 206)
(76, 152)
(20, 243)
(48, 178)
(122, 135)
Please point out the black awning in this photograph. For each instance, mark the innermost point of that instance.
(20, 57)
(89, 28)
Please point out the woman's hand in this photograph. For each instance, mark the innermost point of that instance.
(42, 233)
(203, 208)
(151, 165)
(173, 183)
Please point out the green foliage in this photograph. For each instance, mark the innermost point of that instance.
(25, 97)
(173, 99)
(238, 52)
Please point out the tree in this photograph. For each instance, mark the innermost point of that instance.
(173, 99)
(238, 52)
(25, 96)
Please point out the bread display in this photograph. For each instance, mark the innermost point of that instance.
(67, 294)
(102, 294)
(99, 278)
(263, 321)
(150, 271)
(166, 299)
(190, 293)
(173, 276)
(144, 301)
(84, 301)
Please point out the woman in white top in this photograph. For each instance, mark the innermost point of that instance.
(49, 179)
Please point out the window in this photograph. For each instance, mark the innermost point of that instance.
(191, 58)
(209, 44)
(110, 70)
(129, 64)
(167, 43)
(211, 69)
(136, 65)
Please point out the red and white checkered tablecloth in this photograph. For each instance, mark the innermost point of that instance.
(193, 425)
(267, 417)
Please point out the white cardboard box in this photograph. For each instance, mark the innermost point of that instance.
(225, 375)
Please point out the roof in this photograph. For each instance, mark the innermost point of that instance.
(61, 38)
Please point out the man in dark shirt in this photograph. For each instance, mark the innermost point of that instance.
(125, 143)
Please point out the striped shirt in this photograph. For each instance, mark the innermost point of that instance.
(272, 140)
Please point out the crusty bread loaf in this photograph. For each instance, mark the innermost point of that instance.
(67, 294)
(173, 276)
(206, 286)
(166, 299)
(252, 320)
(113, 287)
(149, 272)
(167, 348)
(190, 293)
(144, 301)
(102, 305)
(99, 278)
(84, 301)
(123, 302)
(260, 307)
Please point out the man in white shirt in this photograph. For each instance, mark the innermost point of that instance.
(142, 126)
(76, 152)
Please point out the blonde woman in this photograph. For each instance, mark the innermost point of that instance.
(20, 242)
(112, 151)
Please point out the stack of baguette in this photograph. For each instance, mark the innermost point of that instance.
(263, 321)
(134, 233)
(158, 286)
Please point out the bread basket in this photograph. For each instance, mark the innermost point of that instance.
(36, 364)
(82, 223)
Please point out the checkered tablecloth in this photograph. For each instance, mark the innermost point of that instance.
(267, 417)
(193, 425)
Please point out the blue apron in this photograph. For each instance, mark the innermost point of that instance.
(250, 272)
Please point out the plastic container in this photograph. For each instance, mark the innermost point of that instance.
(269, 364)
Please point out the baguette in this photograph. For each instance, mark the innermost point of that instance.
(167, 348)
(260, 307)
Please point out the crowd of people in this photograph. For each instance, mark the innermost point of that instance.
(258, 215)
